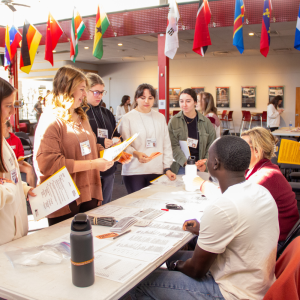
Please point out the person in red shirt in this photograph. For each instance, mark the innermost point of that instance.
(16, 144)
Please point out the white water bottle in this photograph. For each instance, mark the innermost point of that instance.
(190, 174)
(291, 125)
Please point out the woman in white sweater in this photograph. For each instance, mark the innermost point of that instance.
(124, 108)
(153, 137)
(273, 113)
(13, 192)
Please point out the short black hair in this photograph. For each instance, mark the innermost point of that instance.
(140, 90)
(233, 152)
(190, 92)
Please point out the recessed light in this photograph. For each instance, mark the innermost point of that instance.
(251, 33)
(53, 51)
(120, 44)
(86, 47)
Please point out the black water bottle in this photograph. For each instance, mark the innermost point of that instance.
(82, 251)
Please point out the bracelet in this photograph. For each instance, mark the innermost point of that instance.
(202, 184)
(166, 169)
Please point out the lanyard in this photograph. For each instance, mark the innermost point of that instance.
(145, 126)
(198, 136)
(96, 118)
(83, 130)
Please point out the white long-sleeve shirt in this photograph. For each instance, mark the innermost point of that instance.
(13, 210)
(121, 112)
(148, 125)
(273, 116)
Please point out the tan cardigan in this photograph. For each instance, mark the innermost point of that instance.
(56, 145)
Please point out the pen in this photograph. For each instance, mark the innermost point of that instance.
(121, 234)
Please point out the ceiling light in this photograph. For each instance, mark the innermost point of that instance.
(251, 33)
(120, 44)
(53, 51)
(86, 47)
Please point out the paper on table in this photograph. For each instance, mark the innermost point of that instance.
(179, 216)
(148, 213)
(289, 152)
(164, 180)
(185, 148)
(111, 153)
(116, 268)
(118, 212)
(147, 203)
(53, 194)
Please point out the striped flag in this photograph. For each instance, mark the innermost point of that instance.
(172, 43)
(297, 35)
(238, 39)
(201, 36)
(30, 42)
(77, 28)
(265, 29)
(102, 24)
(12, 42)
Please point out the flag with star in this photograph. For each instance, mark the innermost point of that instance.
(12, 42)
(238, 40)
(102, 24)
(265, 29)
(77, 28)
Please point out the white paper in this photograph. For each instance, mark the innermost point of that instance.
(185, 148)
(53, 194)
(179, 216)
(164, 180)
(146, 203)
(118, 212)
(116, 268)
(148, 213)
(111, 153)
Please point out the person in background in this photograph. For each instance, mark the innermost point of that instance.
(64, 138)
(273, 113)
(208, 109)
(103, 125)
(124, 108)
(38, 108)
(191, 126)
(153, 137)
(13, 192)
(235, 255)
(16, 144)
(44, 100)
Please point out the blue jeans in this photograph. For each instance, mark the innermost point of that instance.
(107, 183)
(164, 284)
(181, 171)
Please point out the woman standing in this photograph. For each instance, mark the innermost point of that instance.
(191, 126)
(124, 108)
(153, 137)
(103, 125)
(273, 113)
(13, 192)
(64, 138)
(208, 109)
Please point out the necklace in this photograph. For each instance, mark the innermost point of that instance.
(190, 121)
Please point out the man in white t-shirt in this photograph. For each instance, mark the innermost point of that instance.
(235, 254)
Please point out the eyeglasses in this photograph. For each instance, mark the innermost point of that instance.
(98, 93)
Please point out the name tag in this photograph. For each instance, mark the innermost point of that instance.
(192, 142)
(85, 148)
(151, 143)
(103, 133)
(14, 176)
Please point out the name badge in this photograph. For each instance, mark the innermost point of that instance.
(151, 143)
(14, 176)
(85, 148)
(192, 142)
(103, 133)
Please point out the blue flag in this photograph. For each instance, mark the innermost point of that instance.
(238, 40)
(297, 35)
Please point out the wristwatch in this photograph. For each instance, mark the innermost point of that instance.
(173, 265)
(166, 169)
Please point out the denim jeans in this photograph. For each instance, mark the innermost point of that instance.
(181, 171)
(164, 284)
(107, 183)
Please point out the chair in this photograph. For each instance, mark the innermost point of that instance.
(287, 271)
(230, 119)
(246, 118)
(224, 119)
(264, 118)
(175, 112)
(294, 176)
(26, 142)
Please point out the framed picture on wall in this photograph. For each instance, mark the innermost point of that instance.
(248, 96)
(174, 97)
(198, 89)
(222, 96)
(276, 91)
(156, 98)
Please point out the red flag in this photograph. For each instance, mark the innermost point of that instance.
(54, 32)
(201, 36)
(265, 29)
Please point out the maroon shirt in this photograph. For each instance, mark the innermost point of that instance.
(269, 176)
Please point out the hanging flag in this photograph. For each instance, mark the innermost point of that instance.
(201, 36)
(102, 24)
(53, 34)
(297, 35)
(265, 28)
(238, 39)
(77, 28)
(172, 43)
(12, 42)
(30, 41)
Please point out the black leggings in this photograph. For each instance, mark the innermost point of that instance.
(134, 183)
(75, 209)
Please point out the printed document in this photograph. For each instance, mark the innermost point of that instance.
(289, 152)
(164, 180)
(185, 148)
(118, 212)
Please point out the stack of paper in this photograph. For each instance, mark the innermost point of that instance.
(123, 224)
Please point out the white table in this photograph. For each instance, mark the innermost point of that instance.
(55, 281)
(285, 131)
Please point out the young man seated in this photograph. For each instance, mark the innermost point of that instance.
(16, 144)
(235, 254)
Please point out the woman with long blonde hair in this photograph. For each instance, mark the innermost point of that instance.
(64, 138)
